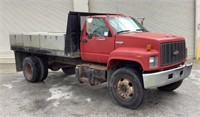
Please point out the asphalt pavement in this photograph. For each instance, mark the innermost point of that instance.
(63, 96)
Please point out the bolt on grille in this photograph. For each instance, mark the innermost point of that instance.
(172, 52)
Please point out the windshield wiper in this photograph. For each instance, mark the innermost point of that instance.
(141, 29)
(122, 31)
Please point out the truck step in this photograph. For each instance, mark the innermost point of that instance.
(91, 73)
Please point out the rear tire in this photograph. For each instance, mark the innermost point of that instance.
(171, 87)
(68, 70)
(31, 69)
(126, 88)
(44, 69)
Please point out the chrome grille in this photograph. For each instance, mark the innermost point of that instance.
(172, 52)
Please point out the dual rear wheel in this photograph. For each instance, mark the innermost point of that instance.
(35, 69)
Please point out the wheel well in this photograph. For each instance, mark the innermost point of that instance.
(116, 64)
(20, 56)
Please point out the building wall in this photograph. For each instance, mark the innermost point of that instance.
(197, 23)
(80, 5)
(165, 16)
(19, 16)
(2, 46)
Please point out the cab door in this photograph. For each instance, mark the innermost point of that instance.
(97, 46)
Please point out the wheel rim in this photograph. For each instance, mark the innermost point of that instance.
(28, 72)
(124, 88)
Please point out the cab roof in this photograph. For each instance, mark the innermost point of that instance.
(113, 16)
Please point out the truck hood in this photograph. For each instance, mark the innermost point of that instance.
(141, 39)
(152, 36)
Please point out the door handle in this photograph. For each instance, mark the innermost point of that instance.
(100, 38)
(84, 41)
(119, 42)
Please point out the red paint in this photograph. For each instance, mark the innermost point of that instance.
(134, 44)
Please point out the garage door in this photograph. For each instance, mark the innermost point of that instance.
(165, 16)
(31, 16)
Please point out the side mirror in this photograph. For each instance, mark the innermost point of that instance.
(89, 27)
(141, 21)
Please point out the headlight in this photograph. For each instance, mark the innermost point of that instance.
(153, 62)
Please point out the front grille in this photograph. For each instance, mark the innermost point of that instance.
(172, 52)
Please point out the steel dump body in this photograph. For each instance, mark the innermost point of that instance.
(39, 42)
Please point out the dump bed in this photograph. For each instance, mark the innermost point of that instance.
(39, 42)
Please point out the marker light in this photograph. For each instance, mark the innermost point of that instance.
(148, 47)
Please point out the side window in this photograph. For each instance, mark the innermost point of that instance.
(100, 28)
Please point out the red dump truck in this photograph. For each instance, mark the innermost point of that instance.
(101, 47)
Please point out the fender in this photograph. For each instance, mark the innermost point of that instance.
(139, 55)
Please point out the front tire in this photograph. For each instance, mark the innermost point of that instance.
(31, 69)
(171, 87)
(126, 88)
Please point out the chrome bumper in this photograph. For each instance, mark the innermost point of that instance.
(158, 79)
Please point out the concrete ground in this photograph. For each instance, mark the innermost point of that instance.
(61, 95)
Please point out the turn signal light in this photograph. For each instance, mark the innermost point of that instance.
(149, 47)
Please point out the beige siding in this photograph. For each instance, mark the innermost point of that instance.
(18, 16)
(165, 16)
(80, 5)
(198, 18)
(1, 30)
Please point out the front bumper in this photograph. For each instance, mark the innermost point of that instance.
(158, 79)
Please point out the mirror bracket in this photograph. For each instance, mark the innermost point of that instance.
(89, 36)
(89, 26)
(142, 20)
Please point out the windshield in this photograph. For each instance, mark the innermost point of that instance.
(125, 24)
